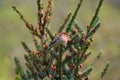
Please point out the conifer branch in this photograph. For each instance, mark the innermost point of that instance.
(19, 69)
(77, 26)
(30, 66)
(98, 56)
(37, 45)
(96, 12)
(28, 25)
(77, 64)
(26, 47)
(49, 32)
(95, 17)
(87, 71)
(40, 12)
(74, 16)
(64, 23)
(62, 61)
(105, 69)
(85, 56)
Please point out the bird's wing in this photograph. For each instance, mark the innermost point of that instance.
(54, 40)
(53, 43)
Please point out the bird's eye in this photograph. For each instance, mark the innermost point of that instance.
(63, 32)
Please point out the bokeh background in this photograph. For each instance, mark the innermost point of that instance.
(13, 30)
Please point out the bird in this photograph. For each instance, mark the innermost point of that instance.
(60, 39)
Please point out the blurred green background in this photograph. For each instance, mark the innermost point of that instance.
(13, 30)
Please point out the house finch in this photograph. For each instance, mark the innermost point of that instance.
(60, 39)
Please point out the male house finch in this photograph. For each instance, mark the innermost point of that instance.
(60, 39)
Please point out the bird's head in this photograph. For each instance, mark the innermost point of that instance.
(64, 33)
